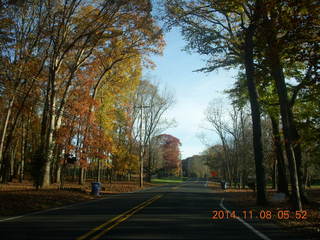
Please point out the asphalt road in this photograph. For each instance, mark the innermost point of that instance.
(182, 211)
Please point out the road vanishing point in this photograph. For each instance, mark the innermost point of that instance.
(169, 212)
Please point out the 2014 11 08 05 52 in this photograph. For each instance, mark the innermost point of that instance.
(262, 214)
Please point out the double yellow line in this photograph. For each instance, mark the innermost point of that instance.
(102, 229)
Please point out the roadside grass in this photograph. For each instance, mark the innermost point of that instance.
(246, 199)
(20, 198)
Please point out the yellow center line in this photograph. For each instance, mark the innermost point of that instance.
(126, 217)
(118, 219)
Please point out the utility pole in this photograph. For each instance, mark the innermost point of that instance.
(141, 145)
(141, 153)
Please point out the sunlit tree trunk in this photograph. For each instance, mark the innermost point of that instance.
(298, 155)
(13, 151)
(58, 173)
(4, 162)
(49, 141)
(82, 176)
(22, 157)
(5, 125)
(99, 171)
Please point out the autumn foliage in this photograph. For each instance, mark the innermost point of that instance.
(169, 146)
(69, 74)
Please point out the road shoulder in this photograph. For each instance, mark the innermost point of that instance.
(244, 200)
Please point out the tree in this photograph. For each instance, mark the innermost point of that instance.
(59, 57)
(150, 104)
(225, 32)
(283, 47)
(171, 154)
(20, 68)
(269, 103)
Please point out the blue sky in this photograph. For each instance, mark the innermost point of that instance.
(193, 90)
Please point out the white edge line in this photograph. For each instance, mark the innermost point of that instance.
(261, 235)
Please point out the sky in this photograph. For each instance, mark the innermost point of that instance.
(192, 90)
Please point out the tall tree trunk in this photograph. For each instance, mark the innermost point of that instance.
(22, 161)
(255, 114)
(305, 176)
(39, 157)
(99, 171)
(298, 155)
(141, 151)
(110, 175)
(84, 179)
(282, 182)
(12, 162)
(5, 126)
(5, 148)
(274, 174)
(49, 140)
(277, 74)
(81, 176)
(3, 161)
(150, 163)
(58, 173)
(63, 175)
(8, 158)
(23, 151)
